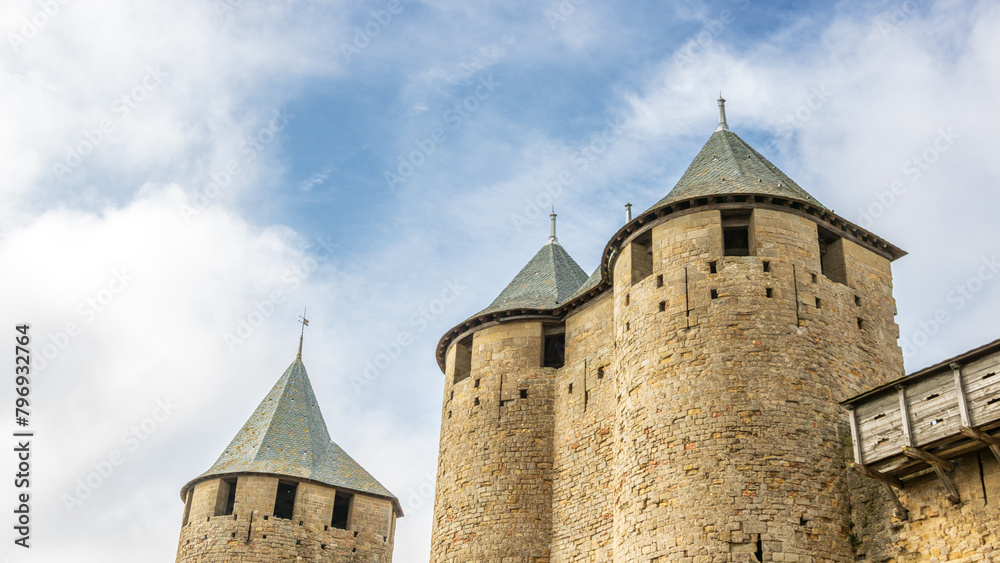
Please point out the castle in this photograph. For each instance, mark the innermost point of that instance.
(725, 387)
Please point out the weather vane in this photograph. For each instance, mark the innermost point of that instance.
(305, 323)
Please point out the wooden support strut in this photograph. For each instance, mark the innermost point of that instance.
(909, 450)
(984, 438)
(887, 482)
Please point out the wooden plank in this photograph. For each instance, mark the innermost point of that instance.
(933, 412)
(879, 427)
(981, 383)
(938, 465)
(904, 416)
(925, 456)
(901, 512)
(963, 406)
(855, 437)
(984, 438)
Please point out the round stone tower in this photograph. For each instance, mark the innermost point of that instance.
(284, 491)
(494, 482)
(743, 311)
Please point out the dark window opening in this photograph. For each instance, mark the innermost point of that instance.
(736, 233)
(476, 384)
(814, 278)
(341, 510)
(831, 256)
(571, 388)
(663, 306)
(861, 323)
(819, 304)
(769, 292)
(475, 402)
(857, 300)
(187, 506)
(524, 393)
(760, 549)
(586, 398)
(463, 359)
(642, 256)
(284, 501)
(715, 294)
(600, 373)
(627, 326)
(767, 266)
(712, 268)
(555, 351)
(659, 280)
(230, 497)
(627, 299)
(449, 414)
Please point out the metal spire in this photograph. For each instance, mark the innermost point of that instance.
(628, 212)
(723, 126)
(552, 229)
(305, 323)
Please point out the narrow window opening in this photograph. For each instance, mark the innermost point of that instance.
(642, 256)
(586, 398)
(857, 300)
(760, 549)
(767, 266)
(803, 521)
(982, 478)
(819, 303)
(831, 256)
(933, 396)
(187, 506)
(230, 497)
(626, 326)
(475, 402)
(715, 294)
(449, 414)
(815, 279)
(476, 385)
(769, 292)
(993, 401)
(225, 498)
(627, 299)
(600, 373)
(659, 280)
(555, 350)
(524, 393)
(713, 268)
(571, 388)
(284, 501)
(663, 306)
(452, 396)
(861, 323)
(989, 375)
(341, 510)
(736, 233)
(463, 359)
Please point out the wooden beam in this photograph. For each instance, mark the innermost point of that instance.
(873, 474)
(855, 436)
(904, 412)
(963, 405)
(993, 443)
(901, 510)
(938, 465)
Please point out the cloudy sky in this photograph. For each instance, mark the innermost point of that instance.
(180, 179)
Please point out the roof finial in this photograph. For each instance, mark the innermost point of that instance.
(628, 212)
(305, 323)
(552, 229)
(723, 126)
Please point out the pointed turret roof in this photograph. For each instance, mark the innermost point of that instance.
(287, 435)
(728, 165)
(548, 279)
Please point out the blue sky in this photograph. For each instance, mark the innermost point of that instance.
(177, 172)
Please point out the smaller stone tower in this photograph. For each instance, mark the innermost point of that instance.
(284, 491)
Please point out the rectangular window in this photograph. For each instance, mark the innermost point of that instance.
(463, 359)
(736, 233)
(524, 393)
(230, 497)
(226, 498)
(642, 256)
(555, 350)
(831, 256)
(284, 501)
(187, 506)
(341, 510)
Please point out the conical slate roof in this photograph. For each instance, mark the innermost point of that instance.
(546, 281)
(286, 435)
(728, 165)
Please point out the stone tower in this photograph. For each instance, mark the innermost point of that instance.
(284, 491)
(680, 404)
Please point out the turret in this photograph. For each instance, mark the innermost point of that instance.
(283, 490)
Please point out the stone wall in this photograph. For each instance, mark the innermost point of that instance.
(494, 485)
(253, 535)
